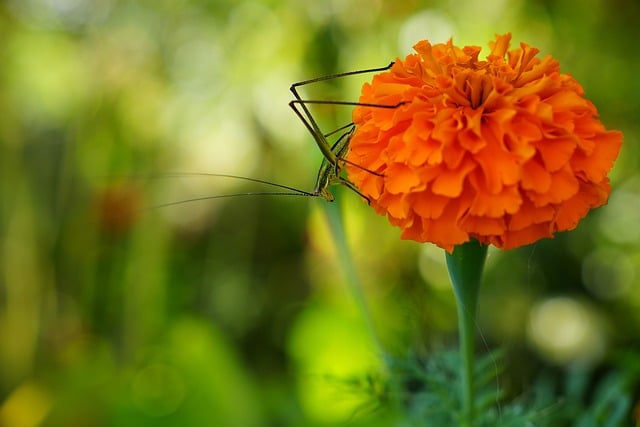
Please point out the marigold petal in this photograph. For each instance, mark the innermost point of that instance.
(536, 73)
(372, 186)
(480, 226)
(535, 177)
(526, 236)
(529, 215)
(526, 130)
(470, 138)
(401, 179)
(494, 205)
(498, 166)
(576, 208)
(564, 185)
(567, 101)
(396, 205)
(500, 46)
(449, 182)
(506, 150)
(555, 152)
(429, 206)
(444, 231)
(595, 165)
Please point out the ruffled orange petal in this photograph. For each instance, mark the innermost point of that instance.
(505, 150)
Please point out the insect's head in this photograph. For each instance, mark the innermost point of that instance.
(326, 194)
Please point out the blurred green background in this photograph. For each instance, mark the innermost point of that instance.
(236, 312)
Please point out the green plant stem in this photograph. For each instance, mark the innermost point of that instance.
(465, 266)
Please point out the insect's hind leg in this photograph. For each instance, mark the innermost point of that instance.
(350, 186)
(305, 115)
(294, 86)
(340, 129)
(299, 107)
(334, 154)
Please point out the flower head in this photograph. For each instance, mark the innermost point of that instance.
(505, 150)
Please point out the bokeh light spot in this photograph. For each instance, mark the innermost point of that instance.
(619, 219)
(26, 406)
(333, 351)
(564, 330)
(608, 273)
(428, 24)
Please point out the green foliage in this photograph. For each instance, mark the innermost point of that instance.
(116, 314)
(606, 400)
(426, 392)
(429, 393)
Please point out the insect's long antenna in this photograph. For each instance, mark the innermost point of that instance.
(334, 155)
(225, 196)
(297, 191)
(291, 191)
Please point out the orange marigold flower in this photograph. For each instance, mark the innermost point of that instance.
(505, 150)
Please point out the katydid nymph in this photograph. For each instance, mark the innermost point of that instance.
(331, 166)
(334, 154)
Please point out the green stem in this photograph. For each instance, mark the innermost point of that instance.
(465, 269)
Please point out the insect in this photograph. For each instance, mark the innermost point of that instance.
(334, 155)
(330, 171)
